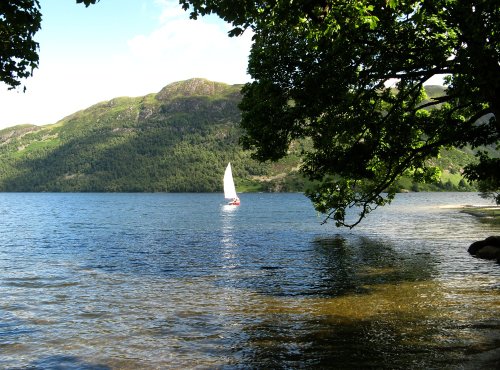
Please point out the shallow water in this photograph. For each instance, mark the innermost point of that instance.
(127, 281)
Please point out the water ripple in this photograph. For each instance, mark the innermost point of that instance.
(126, 281)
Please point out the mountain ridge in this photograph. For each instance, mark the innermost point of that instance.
(174, 140)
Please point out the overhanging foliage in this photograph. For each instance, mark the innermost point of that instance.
(323, 70)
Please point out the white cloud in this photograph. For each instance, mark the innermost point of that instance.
(182, 48)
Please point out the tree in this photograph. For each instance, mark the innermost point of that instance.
(19, 21)
(322, 72)
(486, 177)
(87, 2)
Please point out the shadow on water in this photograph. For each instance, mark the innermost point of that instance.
(64, 363)
(357, 264)
(330, 342)
(371, 307)
(332, 267)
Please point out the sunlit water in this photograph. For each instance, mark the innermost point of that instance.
(153, 281)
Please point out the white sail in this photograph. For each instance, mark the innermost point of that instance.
(229, 189)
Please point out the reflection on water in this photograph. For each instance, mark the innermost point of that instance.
(228, 228)
(110, 281)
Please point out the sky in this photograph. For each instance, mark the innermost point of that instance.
(119, 48)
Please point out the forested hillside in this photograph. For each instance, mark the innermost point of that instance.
(178, 140)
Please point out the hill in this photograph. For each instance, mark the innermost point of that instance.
(177, 140)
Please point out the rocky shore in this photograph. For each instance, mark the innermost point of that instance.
(488, 248)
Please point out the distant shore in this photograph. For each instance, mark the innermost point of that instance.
(484, 212)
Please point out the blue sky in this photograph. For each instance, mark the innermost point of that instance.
(119, 48)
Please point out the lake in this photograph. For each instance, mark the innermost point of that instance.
(153, 281)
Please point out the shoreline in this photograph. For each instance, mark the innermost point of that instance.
(483, 212)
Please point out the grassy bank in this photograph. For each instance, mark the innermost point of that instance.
(486, 214)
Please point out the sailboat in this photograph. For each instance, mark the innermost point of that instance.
(229, 188)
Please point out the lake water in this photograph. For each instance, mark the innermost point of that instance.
(153, 281)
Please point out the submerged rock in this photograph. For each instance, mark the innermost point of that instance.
(488, 248)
